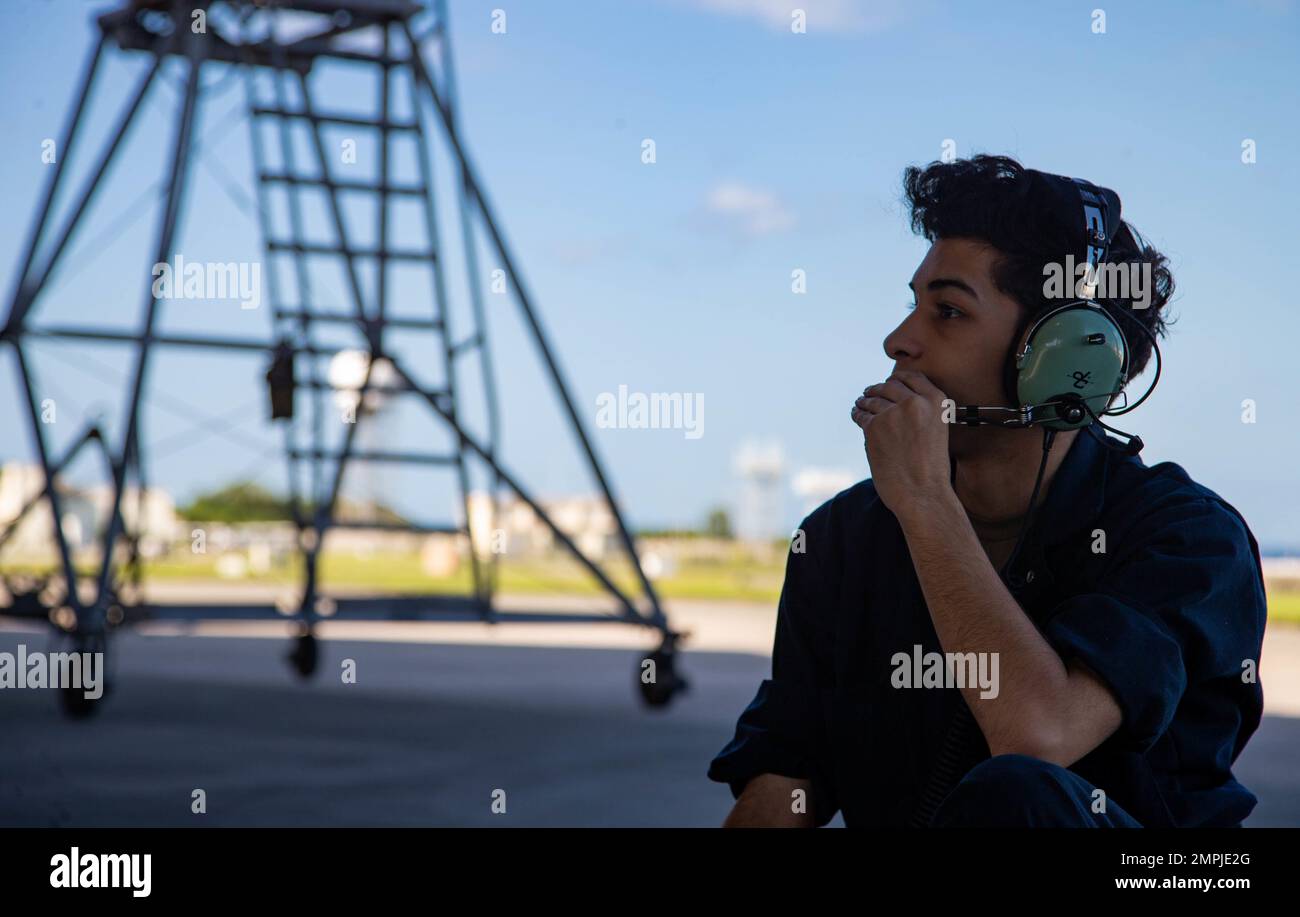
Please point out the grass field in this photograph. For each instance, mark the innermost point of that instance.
(736, 579)
(1284, 606)
(402, 574)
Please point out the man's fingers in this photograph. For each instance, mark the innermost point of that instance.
(889, 390)
(917, 382)
(900, 386)
(872, 404)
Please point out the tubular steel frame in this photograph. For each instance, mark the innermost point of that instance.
(142, 26)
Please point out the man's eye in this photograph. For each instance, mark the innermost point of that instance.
(945, 311)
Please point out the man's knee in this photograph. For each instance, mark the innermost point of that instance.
(1007, 790)
(1013, 770)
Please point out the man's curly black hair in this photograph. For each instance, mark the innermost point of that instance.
(991, 199)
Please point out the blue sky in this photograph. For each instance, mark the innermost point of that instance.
(774, 151)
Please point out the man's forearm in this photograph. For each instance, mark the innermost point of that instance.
(768, 802)
(973, 612)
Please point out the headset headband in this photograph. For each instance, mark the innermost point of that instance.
(1097, 236)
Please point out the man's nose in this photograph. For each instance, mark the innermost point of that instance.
(900, 344)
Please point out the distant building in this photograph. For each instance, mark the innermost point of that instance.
(152, 518)
(1284, 571)
(85, 514)
(518, 531)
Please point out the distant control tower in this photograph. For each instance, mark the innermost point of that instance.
(761, 467)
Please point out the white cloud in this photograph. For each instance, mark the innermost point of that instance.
(822, 15)
(755, 211)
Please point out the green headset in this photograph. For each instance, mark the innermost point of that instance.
(1073, 359)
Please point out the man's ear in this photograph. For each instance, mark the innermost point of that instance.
(1009, 373)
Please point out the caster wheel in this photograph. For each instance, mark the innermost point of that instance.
(305, 655)
(659, 682)
(72, 699)
(76, 705)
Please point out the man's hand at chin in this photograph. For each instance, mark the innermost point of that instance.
(906, 440)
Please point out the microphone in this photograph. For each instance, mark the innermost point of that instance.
(1071, 409)
(1132, 447)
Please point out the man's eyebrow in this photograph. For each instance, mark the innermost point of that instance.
(940, 283)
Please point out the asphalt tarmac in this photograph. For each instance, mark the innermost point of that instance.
(483, 731)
